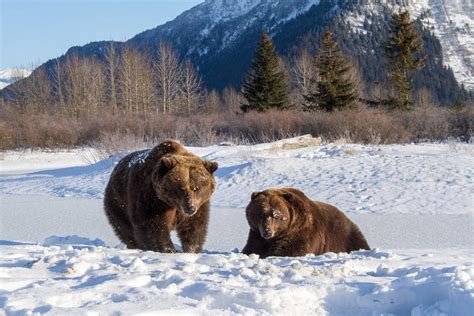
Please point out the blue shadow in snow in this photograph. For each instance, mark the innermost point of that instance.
(223, 172)
(75, 171)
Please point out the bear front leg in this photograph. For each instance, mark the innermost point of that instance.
(255, 244)
(153, 234)
(289, 248)
(192, 230)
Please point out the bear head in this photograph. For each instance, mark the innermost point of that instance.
(184, 182)
(270, 212)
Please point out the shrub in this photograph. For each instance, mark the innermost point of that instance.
(122, 132)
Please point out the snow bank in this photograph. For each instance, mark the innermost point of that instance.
(65, 280)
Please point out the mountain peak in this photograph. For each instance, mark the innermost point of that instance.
(9, 76)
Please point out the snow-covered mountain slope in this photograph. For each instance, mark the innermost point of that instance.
(222, 22)
(451, 21)
(213, 18)
(9, 76)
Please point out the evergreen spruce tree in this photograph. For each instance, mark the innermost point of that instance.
(335, 89)
(403, 53)
(266, 85)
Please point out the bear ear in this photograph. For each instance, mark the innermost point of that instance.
(166, 164)
(254, 195)
(288, 196)
(211, 166)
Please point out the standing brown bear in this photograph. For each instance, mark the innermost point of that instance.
(285, 222)
(152, 192)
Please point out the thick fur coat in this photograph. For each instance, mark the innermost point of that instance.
(152, 192)
(285, 222)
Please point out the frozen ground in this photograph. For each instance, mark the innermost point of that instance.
(414, 203)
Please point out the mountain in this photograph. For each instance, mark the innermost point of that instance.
(450, 21)
(9, 76)
(220, 36)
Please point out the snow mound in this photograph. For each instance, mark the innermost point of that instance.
(38, 279)
(72, 240)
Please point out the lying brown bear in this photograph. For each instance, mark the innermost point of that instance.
(284, 222)
(154, 191)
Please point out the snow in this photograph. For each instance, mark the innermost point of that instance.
(452, 23)
(139, 158)
(9, 76)
(246, 13)
(359, 179)
(414, 203)
(223, 10)
(98, 280)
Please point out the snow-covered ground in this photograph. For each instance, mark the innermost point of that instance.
(414, 203)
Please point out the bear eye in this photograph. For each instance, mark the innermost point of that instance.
(277, 215)
(196, 189)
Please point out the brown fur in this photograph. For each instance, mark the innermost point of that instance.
(153, 192)
(284, 222)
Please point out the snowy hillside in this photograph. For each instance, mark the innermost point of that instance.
(452, 22)
(237, 17)
(9, 76)
(414, 203)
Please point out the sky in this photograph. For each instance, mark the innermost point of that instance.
(34, 31)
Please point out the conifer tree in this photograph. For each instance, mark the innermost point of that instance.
(266, 85)
(403, 53)
(335, 89)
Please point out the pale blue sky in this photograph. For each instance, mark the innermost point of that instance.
(33, 31)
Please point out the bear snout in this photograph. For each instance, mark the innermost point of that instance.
(266, 232)
(189, 210)
(189, 207)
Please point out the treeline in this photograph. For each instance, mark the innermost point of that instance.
(129, 82)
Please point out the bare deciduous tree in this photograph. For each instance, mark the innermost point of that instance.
(58, 84)
(213, 102)
(96, 99)
(111, 69)
(84, 85)
(425, 99)
(168, 73)
(231, 100)
(136, 84)
(35, 93)
(304, 76)
(190, 87)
